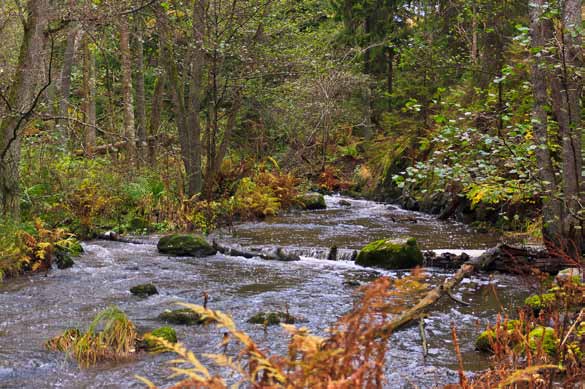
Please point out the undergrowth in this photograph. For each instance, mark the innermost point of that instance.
(32, 247)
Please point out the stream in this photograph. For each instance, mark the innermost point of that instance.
(34, 308)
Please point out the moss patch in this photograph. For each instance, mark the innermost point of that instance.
(537, 302)
(545, 336)
(389, 254)
(150, 338)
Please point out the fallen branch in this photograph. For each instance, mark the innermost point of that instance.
(479, 263)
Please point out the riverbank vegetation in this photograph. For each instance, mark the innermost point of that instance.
(112, 120)
(158, 116)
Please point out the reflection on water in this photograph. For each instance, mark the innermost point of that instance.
(35, 308)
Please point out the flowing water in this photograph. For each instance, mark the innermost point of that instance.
(35, 308)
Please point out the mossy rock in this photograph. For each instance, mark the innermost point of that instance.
(537, 302)
(272, 318)
(144, 290)
(546, 336)
(63, 259)
(183, 316)
(389, 254)
(313, 201)
(485, 339)
(167, 333)
(185, 245)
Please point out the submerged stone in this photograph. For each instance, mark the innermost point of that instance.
(144, 290)
(313, 201)
(185, 245)
(272, 318)
(183, 316)
(389, 254)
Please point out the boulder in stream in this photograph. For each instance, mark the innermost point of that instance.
(390, 254)
(144, 290)
(183, 316)
(272, 318)
(185, 245)
(313, 201)
(150, 338)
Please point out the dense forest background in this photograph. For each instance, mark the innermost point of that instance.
(162, 115)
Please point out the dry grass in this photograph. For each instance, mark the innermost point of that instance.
(110, 336)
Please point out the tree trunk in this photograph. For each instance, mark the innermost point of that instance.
(552, 207)
(88, 96)
(390, 76)
(155, 116)
(22, 98)
(65, 77)
(128, 101)
(140, 94)
(566, 89)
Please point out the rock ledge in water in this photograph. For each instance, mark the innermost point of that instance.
(391, 254)
(185, 245)
(272, 318)
(183, 316)
(144, 290)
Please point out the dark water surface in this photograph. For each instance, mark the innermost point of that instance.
(36, 308)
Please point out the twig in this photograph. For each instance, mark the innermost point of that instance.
(457, 300)
(423, 337)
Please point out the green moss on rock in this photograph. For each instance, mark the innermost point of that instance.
(390, 254)
(144, 290)
(185, 245)
(537, 302)
(546, 336)
(150, 339)
(272, 318)
(183, 316)
(313, 201)
(486, 338)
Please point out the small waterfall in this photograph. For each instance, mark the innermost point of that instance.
(323, 253)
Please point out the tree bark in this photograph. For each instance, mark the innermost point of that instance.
(89, 107)
(65, 76)
(140, 93)
(155, 116)
(22, 97)
(565, 91)
(128, 100)
(552, 212)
